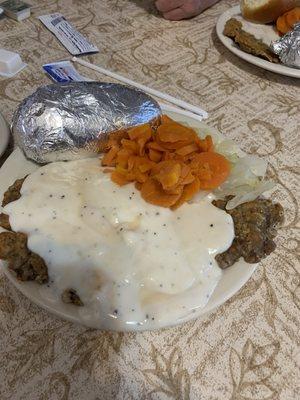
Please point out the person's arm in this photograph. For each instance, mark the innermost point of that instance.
(176, 10)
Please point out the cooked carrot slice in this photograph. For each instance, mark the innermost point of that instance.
(155, 155)
(155, 146)
(176, 145)
(185, 169)
(188, 179)
(174, 132)
(119, 178)
(186, 175)
(131, 161)
(162, 166)
(141, 146)
(175, 190)
(204, 172)
(185, 150)
(165, 119)
(109, 158)
(168, 164)
(168, 156)
(118, 136)
(140, 176)
(191, 189)
(153, 193)
(188, 193)
(129, 145)
(189, 157)
(213, 169)
(205, 144)
(122, 157)
(145, 167)
(210, 144)
(169, 174)
(140, 132)
(112, 143)
(143, 163)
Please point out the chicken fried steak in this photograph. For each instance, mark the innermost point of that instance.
(255, 224)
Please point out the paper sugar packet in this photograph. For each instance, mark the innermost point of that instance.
(64, 71)
(69, 37)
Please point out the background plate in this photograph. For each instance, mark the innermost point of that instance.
(16, 166)
(259, 62)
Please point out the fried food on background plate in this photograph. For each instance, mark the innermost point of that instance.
(247, 42)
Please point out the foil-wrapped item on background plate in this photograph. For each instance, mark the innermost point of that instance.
(62, 122)
(288, 47)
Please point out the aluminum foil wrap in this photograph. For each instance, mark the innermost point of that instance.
(66, 121)
(288, 47)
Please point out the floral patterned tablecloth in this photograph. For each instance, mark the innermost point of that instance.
(248, 349)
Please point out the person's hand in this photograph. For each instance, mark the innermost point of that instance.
(176, 10)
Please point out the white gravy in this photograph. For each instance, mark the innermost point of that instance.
(264, 32)
(134, 265)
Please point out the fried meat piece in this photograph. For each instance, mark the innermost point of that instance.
(247, 42)
(231, 28)
(71, 296)
(13, 193)
(4, 222)
(27, 265)
(255, 226)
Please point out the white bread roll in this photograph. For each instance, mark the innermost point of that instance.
(265, 11)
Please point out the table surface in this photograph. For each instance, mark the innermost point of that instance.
(249, 347)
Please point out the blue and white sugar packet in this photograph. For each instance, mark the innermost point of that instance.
(69, 37)
(64, 71)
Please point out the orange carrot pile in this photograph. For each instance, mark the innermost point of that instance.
(286, 21)
(168, 164)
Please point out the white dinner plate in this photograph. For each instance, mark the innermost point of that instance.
(259, 62)
(4, 135)
(233, 278)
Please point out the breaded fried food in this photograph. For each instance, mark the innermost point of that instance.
(27, 265)
(13, 193)
(247, 42)
(232, 27)
(255, 226)
(71, 296)
(4, 222)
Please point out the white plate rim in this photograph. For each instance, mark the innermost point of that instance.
(229, 44)
(4, 134)
(69, 312)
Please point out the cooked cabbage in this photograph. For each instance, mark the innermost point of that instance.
(247, 177)
(246, 180)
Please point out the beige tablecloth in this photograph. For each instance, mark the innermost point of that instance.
(248, 349)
